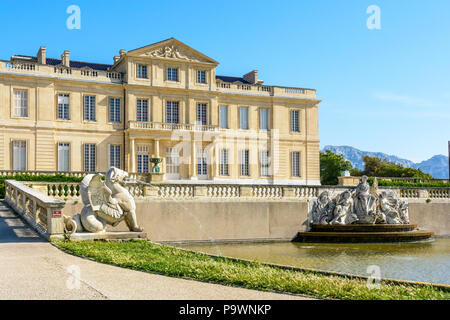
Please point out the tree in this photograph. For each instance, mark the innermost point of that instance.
(331, 167)
(375, 167)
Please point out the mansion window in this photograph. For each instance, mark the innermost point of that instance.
(142, 71)
(142, 110)
(63, 107)
(202, 118)
(201, 76)
(142, 159)
(263, 119)
(224, 162)
(264, 159)
(114, 156)
(89, 108)
(243, 118)
(114, 110)
(295, 121)
(244, 163)
(19, 155)
(172, 74)
(172, 163)
(223, 117)
(202, 163)
(89, 157)
(295, 163)
(21, 103)
(63, 157)
(172, 112)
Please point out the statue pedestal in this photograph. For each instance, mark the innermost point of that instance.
(156, 177)
(110, 235)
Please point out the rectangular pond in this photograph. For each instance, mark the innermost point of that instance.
(419, 261)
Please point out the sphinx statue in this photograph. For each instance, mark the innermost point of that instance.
(106, 203)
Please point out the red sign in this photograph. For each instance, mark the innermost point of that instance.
(57, 214)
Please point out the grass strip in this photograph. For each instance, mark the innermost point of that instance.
(170, 261)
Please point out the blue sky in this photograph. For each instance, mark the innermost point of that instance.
(382, 90)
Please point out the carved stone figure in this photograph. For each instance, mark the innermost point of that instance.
(106, 203)
(343, 212)
(362, 205)
(322, 212)
(171, 52)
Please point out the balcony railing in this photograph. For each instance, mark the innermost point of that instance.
(249, 89)
(59, 71)
(161, 126)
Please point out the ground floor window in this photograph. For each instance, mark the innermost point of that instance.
(63, 157)
(89, 157)
(142, 159)
(172, 163)
(19, 155)
(202, 164)
(244, 163)
(114, 156)
(224, 167)
(295, 163)
(264, 158)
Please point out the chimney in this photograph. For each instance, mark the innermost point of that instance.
(65, 58)
(252, 77)
(116, 58)
(41, 55)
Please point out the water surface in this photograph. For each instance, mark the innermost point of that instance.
(420, 261)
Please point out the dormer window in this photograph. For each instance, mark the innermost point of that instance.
(142, 71)
(172, 74)
(201, 76)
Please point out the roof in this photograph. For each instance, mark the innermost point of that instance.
(73, 64)
(232, 79)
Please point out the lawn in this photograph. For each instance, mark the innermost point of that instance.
(166, 260)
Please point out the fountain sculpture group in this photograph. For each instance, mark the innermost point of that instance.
(363, 214)
(363, 205)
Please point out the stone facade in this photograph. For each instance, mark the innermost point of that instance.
(164, 101)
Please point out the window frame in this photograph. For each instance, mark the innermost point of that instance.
(241, 118)
(113, 157)
(66, 108)
(140, 73)
(202, 117)
(67, 144)
(174, 105)
(92, 110)
(117, 113)
(199, 77)
(226, 116)
(85, 145)
(140, 118)
(224, 163)
(264, 167)
(23, 158)
(295, 120)
(295, 174)
(142, 159)
(267, 123)
(169, 74)
(244, 163)
(22, 107)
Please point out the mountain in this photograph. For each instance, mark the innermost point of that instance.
(437, 165)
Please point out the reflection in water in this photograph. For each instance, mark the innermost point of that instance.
(420, 261)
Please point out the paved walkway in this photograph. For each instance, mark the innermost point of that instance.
(31, 268)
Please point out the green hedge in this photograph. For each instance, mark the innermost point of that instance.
(28, 177)
(387, 183)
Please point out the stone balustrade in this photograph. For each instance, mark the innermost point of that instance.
(60, 71)
(42, 212)
(249, 89)
(160, 126)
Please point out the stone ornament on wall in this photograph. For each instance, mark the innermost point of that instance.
(362, 205)
(106, 203)
(171, 52)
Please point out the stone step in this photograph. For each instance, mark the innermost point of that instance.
(364, 228)
(116, 235)
(363, 237)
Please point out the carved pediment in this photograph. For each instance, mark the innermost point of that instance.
(172, 52)
(172, 49)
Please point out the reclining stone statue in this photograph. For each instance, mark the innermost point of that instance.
(106, 203)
